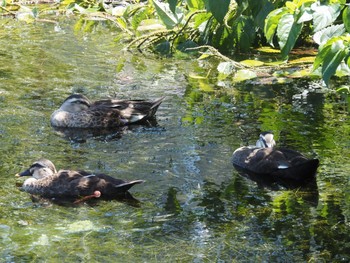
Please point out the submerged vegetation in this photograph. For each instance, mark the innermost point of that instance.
(223, 29)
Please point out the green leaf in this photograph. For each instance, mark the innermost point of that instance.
(163, 48)
(325, 34)
(346, 18)
(306, 14)
(226, 68)
(172, 5)
(205, 86)
(288, 32)
(244, 32)
(195, 5)
(169, 18)
(265, 8)
(271, 23)
(344, 88)
(332, 60)
(320, 56)
(138, 17)
(219, 8)
(244, 74)
(150, 25)
(324, 15)
(342, 70)
(183, 47)
(200, 19)
(252, 63)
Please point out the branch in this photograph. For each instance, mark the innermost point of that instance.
(8, 11)
(216, 53)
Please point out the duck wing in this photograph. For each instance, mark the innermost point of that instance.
(130, 110)
(107, 185)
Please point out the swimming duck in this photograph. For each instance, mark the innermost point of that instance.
(47, 182)
(264, 159)
(77, 111)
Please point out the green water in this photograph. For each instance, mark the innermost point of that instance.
(194, 206)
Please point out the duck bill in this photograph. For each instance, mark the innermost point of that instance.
(24, 173)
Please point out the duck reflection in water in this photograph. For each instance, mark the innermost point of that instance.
(275, 167)
(69, 185)
(82, 135)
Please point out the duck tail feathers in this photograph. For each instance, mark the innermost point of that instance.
(155, 106)
(127, 185)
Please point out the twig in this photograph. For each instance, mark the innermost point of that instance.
(8, 11)
(215, 52)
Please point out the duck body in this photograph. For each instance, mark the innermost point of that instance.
(78, 112)
(264, 159)
(47, 182)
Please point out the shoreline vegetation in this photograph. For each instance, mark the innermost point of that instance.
(278, 39)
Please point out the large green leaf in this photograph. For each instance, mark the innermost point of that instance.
(320, 56)
(172, 5)
(219, 8)
(325, 34)
(346, 18)
(169, 18)
(324, 15)
(305, 14)
(200, 19)
(271, 23)
(265, 8)
(245, 32)
(287, 32)
(333, 58)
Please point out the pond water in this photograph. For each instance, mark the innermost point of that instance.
(194, 206)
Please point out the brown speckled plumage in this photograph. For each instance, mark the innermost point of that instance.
(47, 182)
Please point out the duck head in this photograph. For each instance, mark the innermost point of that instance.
(39, 169)
(75, 103)
(266, 140)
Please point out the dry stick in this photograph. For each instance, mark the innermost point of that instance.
(8, 11)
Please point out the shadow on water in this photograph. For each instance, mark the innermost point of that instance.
(81, 135)
(127, 199)
(308, 187)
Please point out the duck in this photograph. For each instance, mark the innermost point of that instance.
(264, 159)
(47, 182)
(77, 111)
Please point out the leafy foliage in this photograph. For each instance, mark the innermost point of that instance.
(230, 27)
(331, 36)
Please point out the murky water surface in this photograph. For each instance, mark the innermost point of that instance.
(194, 206)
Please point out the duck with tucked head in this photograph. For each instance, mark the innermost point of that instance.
(49, 183)
(77, 111)
(264, 159)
